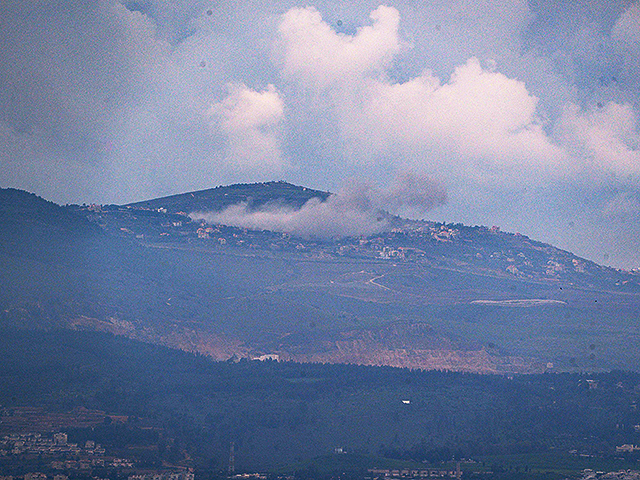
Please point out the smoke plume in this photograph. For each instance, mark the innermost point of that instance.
(358, 209)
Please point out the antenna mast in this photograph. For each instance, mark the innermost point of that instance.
(232, 459)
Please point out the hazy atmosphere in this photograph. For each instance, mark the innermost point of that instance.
(519, 114)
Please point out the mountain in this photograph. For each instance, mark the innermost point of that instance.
(419, 294)
(478, 250)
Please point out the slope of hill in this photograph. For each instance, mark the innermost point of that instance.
(32, 226)
(423, 295)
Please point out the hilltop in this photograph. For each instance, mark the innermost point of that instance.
(255, 195)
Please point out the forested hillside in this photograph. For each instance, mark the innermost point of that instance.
(281, 413)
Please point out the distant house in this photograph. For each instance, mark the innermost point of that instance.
(35, 476)
(627, 447)
(269, 356)
(60, 438)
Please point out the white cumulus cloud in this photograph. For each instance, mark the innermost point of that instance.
(627, 27)
(626, 34)
(604, 140)
(486, 120)
(317, 56)
(479, 124)
(252, 121)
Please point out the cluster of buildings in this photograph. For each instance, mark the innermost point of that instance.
(63, 455)
(619, 475)
(414, 474)
(36, 476)
(89, 463)
(37, 444)
(184, 475)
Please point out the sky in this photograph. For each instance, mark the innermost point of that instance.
(525, 113)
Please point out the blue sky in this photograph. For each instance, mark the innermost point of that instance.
(525, 113)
